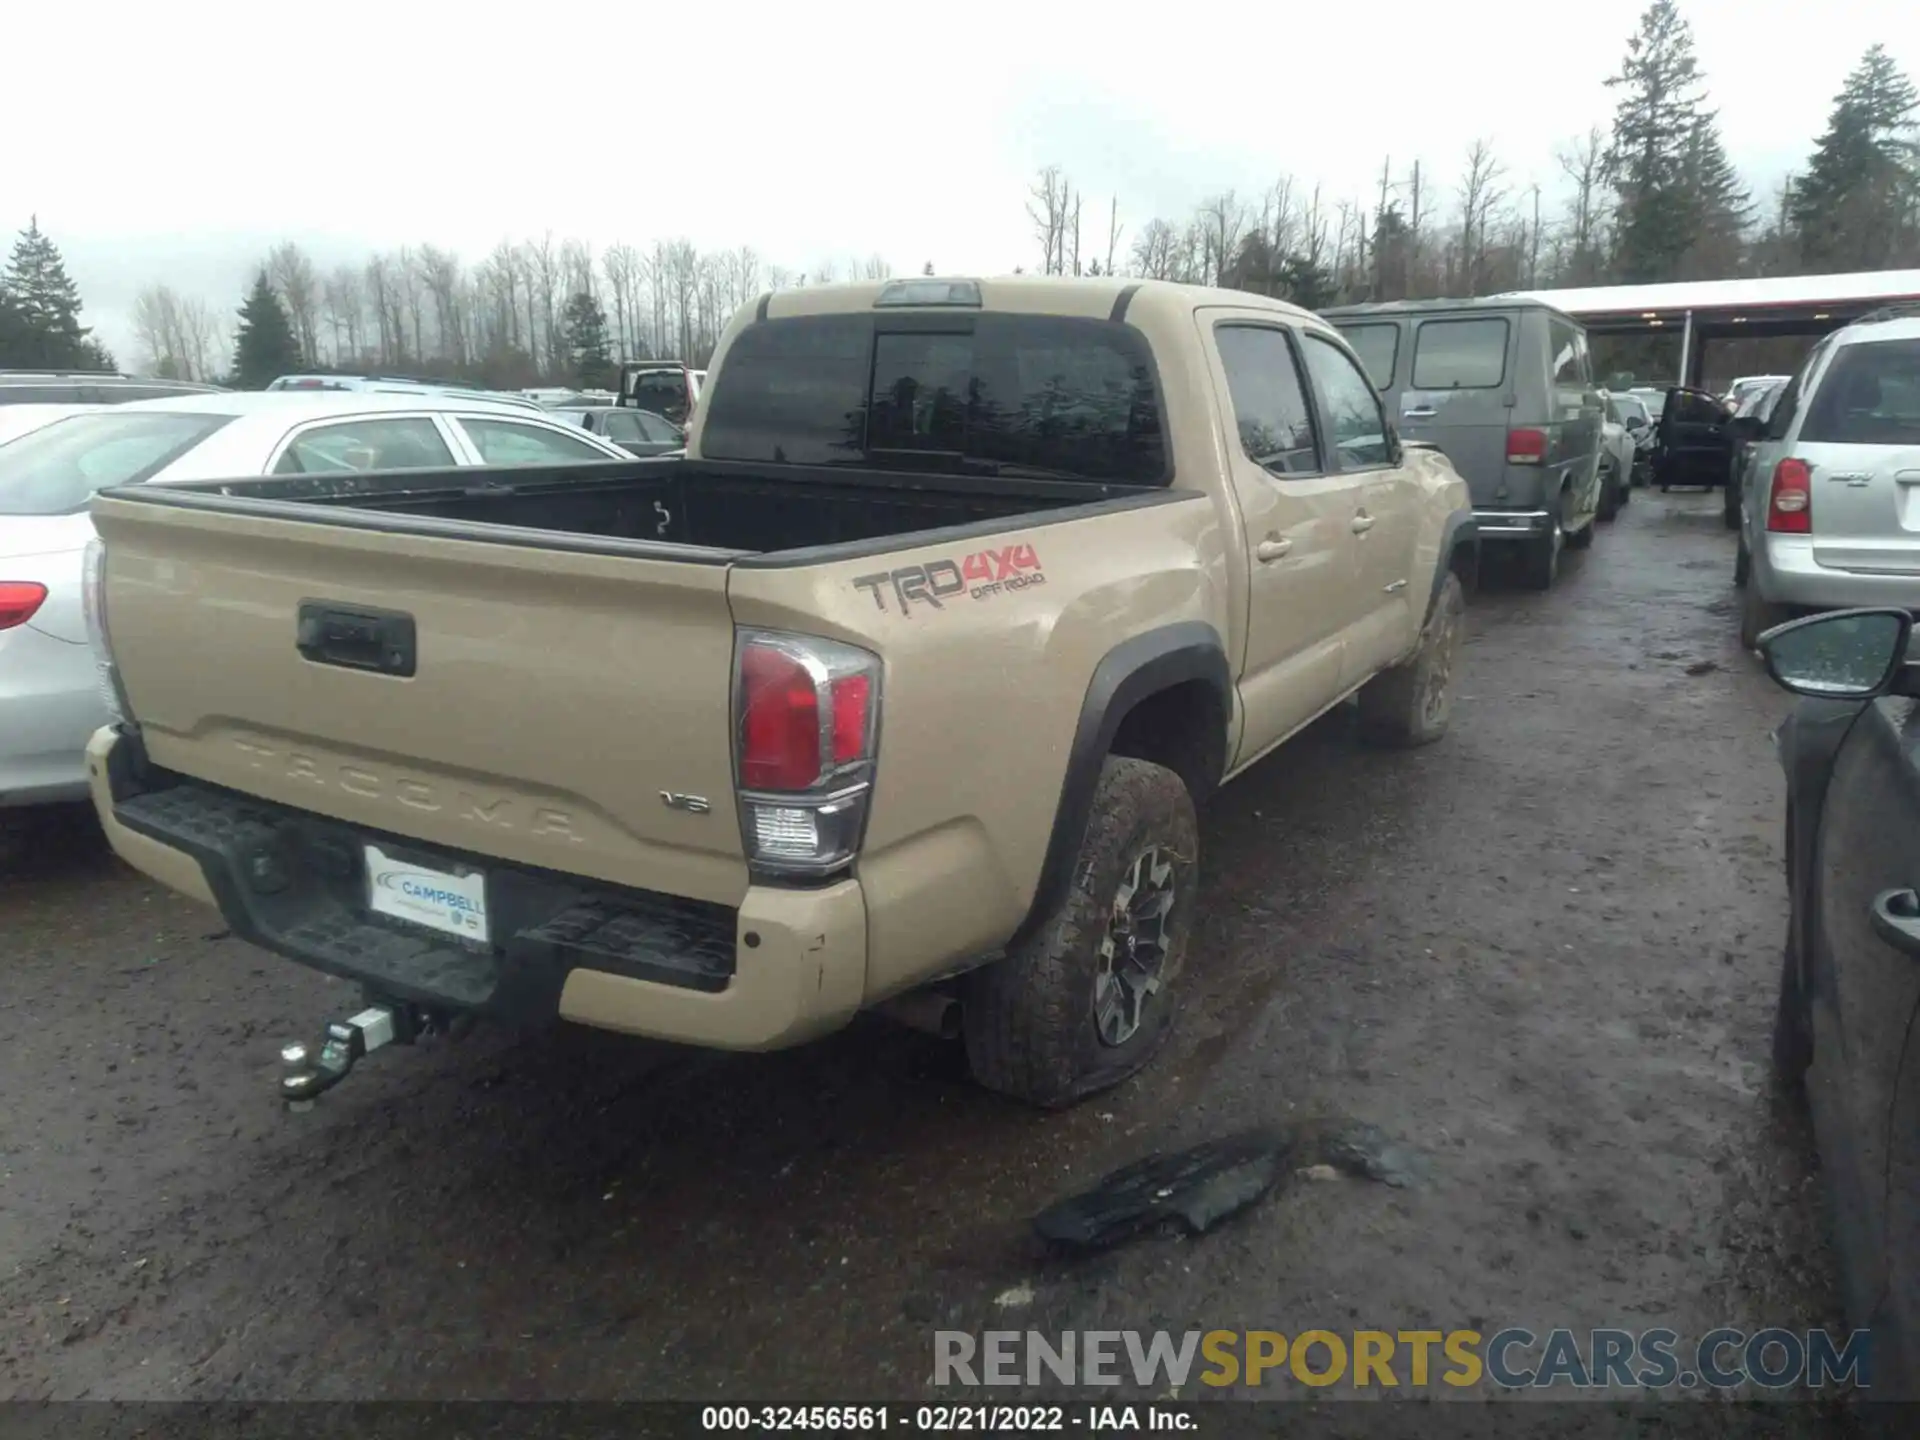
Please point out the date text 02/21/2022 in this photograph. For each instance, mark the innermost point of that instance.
(946, 1419)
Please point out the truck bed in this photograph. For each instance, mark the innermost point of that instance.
(732, 509)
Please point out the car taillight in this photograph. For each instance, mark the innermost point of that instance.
(806, 725)
(93, 603)
(18, 601)
(1790, 501)
(1526, 447)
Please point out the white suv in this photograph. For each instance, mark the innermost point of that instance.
(1830, 493)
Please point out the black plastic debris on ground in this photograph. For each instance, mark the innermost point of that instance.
(1206, 1184)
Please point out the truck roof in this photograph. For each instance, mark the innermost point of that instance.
(1098, 297)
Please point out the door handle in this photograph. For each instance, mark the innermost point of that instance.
(1896, 920)
(1424, 414)
(1362, 523)
(1268, 551)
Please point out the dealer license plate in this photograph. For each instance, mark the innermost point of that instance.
(456, 904)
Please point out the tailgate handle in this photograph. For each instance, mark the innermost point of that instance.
(356, 638)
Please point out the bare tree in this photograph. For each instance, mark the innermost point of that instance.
(203, 340)
(545, 259)
(292, 275)
(621, 266)
(440, 273)
(346, 314)
(382, 296)
(576, 268)
(876, 268)
(1584, 163)
(1154, 250)
(1480, 192)
(1113, 231)
(1051, 210)
(156, 329)
(1221, 219)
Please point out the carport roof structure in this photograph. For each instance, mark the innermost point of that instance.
(1704, 310)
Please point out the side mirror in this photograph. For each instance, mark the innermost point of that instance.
(1843, 655)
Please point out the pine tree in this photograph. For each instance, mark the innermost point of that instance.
(264, 347)
(1722, 207)
(46, 306)
(1854, 207)
(1655, 129)
(587, 343)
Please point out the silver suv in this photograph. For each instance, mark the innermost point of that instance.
(1830, 491)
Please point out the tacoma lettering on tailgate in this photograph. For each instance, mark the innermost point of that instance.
(978, 576)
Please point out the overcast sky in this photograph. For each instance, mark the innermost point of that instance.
(177, 142)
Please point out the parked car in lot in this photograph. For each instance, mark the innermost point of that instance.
(1505, 389)
(1630, 412)
(638, 432)
(1691, 443)
(1740, 389)
(667, 389)
(1849, 1001)
(898, 691)
(399, 385)
(49, 693)
(1830, 497)
(88, 387)
(1744, 429)
(1618, 456)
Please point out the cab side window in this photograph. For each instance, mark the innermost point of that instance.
(1269, 400)
(398, 443)
(1356, 424)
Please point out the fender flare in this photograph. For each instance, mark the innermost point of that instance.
(1460, 532)
(1130, 672)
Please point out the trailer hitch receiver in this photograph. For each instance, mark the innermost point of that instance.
(305, 1074)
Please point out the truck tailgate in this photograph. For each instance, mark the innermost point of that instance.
(556, 698)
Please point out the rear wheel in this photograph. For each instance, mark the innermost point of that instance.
(1758, 615)
(1610, 494)
(1742, 564)
(1540, 561)
(1730, 507)
(1088, 998)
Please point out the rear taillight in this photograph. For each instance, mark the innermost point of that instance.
(806, 723)
(1790, 501)
(18, 601)
(1526, 447)
(93, 603)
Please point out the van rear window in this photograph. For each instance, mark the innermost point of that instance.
(1050, 395)
(1378, 347)
(1460, 354)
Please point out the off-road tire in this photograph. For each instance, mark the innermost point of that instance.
(1028, 1018)
(1540, 559)
(1412, 703)
(1758, 615)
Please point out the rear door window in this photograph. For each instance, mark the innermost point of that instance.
(1870, 395)
(1269, 399)
(1378, 346)
(508, 442)
(622, 427)
(389, 443)
(40, 395)
(1033, 394)
(1467, 354)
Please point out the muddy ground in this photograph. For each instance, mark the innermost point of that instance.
(1542, 952)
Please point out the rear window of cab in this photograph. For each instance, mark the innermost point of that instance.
(1038, 395)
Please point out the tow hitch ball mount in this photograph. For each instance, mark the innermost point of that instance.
(305, 1074)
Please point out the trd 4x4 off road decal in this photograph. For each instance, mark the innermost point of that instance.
(979, 576)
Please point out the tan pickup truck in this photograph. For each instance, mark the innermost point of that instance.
(898, 690)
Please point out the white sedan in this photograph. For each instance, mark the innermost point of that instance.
(49, 700)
